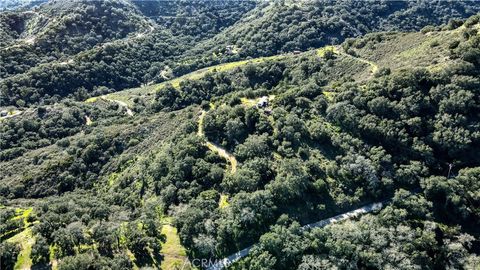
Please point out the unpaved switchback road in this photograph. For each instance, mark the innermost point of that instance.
(121, 104)
(373, 66)
(215, 147)
(339, 51)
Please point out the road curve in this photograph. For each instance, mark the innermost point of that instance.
(120, 103)
(373, 66)
(215, 147)
(225, 262)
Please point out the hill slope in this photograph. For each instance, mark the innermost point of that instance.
(19, 4)
(268, 29)
(284, 26)
(247, 152)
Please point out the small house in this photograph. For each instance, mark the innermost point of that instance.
(231, 49)
(262, 102)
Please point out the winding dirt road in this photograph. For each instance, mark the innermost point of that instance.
(120, 103)
(373, 66)
(215, 147)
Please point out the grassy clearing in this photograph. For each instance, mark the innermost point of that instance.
(174, 254)
(248, 102)
(53, 262)
(23, 214)
(423, 47)
(112, 179)
(26, 240)
(223, 203)
(337, 50)
(329, 95)
(91, 100)
(321, 52)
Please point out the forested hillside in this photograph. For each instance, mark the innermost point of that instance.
(19, 4)
(160, 134)
(197, 19)
(36, 38)
(173, 46)
(285, 26)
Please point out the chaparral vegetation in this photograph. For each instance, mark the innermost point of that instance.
(157, 134)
